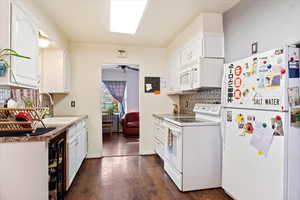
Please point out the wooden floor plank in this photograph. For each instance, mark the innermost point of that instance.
(131, 178)
(120, 145)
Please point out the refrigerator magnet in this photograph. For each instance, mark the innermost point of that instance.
(277, 126)
(229, 116)
(245, 92)
(248, 128)
(275, 81)
(241, 125)
(293, 96)
(293, 68)
(239, 118)
(250, 118)
(295, 117)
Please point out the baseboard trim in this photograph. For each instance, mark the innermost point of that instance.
(147, 153)
(92, 156)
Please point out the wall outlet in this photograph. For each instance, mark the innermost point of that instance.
(254, 48)
(73, 104)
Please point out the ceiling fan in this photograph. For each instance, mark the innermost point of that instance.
(126, 67)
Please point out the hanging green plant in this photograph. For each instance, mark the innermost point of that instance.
(4, 55)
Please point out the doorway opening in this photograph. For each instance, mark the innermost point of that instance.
(120, 109)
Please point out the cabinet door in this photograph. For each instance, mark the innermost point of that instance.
(174, 68)
(197, 49)
(85, 148)
(72, 160)
(24, 39)
(186, 80)
(81, 147)
(56, 71)
(67, 73)
(213, 45)
(196, 78)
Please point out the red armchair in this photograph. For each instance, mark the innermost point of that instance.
(131, 124)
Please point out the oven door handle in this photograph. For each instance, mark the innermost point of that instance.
(173, 132)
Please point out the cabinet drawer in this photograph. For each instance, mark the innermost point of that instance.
(160, 134)
(157, 121)
(81, 125)
(71, 132)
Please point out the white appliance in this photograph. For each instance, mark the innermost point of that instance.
(201, 62)
(261, 149)
(204, 72)
(193, 149)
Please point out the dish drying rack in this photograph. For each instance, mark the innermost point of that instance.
(9, 123)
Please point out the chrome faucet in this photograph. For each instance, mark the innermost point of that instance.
(46, 94)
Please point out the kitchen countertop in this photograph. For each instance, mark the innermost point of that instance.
(170, 115)
(45, 137)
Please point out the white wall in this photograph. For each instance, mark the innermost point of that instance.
(272, 24)
(132, 82)
(44, 23)
(86, 62)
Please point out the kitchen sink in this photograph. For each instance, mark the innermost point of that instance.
(39, 131)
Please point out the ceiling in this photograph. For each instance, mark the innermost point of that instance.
(88, 20)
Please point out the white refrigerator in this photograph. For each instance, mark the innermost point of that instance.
(260, 127)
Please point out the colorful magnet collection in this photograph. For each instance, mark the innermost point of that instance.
(248, 126)
(266, 72)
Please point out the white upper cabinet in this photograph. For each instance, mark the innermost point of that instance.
(19, 33)
(201, 53)
(173, 71)
(204, 45)
(24, 40)
(212, 45)
(56, 71)
(4, 24)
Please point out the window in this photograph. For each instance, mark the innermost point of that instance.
(108, 102)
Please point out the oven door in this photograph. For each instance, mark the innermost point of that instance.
(173, 146)
(186, 79)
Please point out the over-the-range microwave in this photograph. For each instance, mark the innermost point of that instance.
(204, 73)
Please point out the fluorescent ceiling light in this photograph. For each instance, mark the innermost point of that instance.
(125, 15)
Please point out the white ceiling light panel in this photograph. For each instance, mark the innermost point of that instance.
(125, 15)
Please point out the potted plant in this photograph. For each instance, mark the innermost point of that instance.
(4, 55)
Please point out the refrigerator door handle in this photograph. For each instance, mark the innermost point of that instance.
(223, 124)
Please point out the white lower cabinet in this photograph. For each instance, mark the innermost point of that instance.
(72, 154)
(76, 149)
(159, 137)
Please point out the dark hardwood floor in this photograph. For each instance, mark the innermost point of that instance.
(118, 145)
(131, 178)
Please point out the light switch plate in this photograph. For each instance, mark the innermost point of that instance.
(73, 104)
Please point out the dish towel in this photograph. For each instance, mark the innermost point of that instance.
(170, 138)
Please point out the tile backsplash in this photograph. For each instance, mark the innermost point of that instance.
(24, 94)
(205, 96)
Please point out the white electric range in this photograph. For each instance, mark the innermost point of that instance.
(193, 149)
